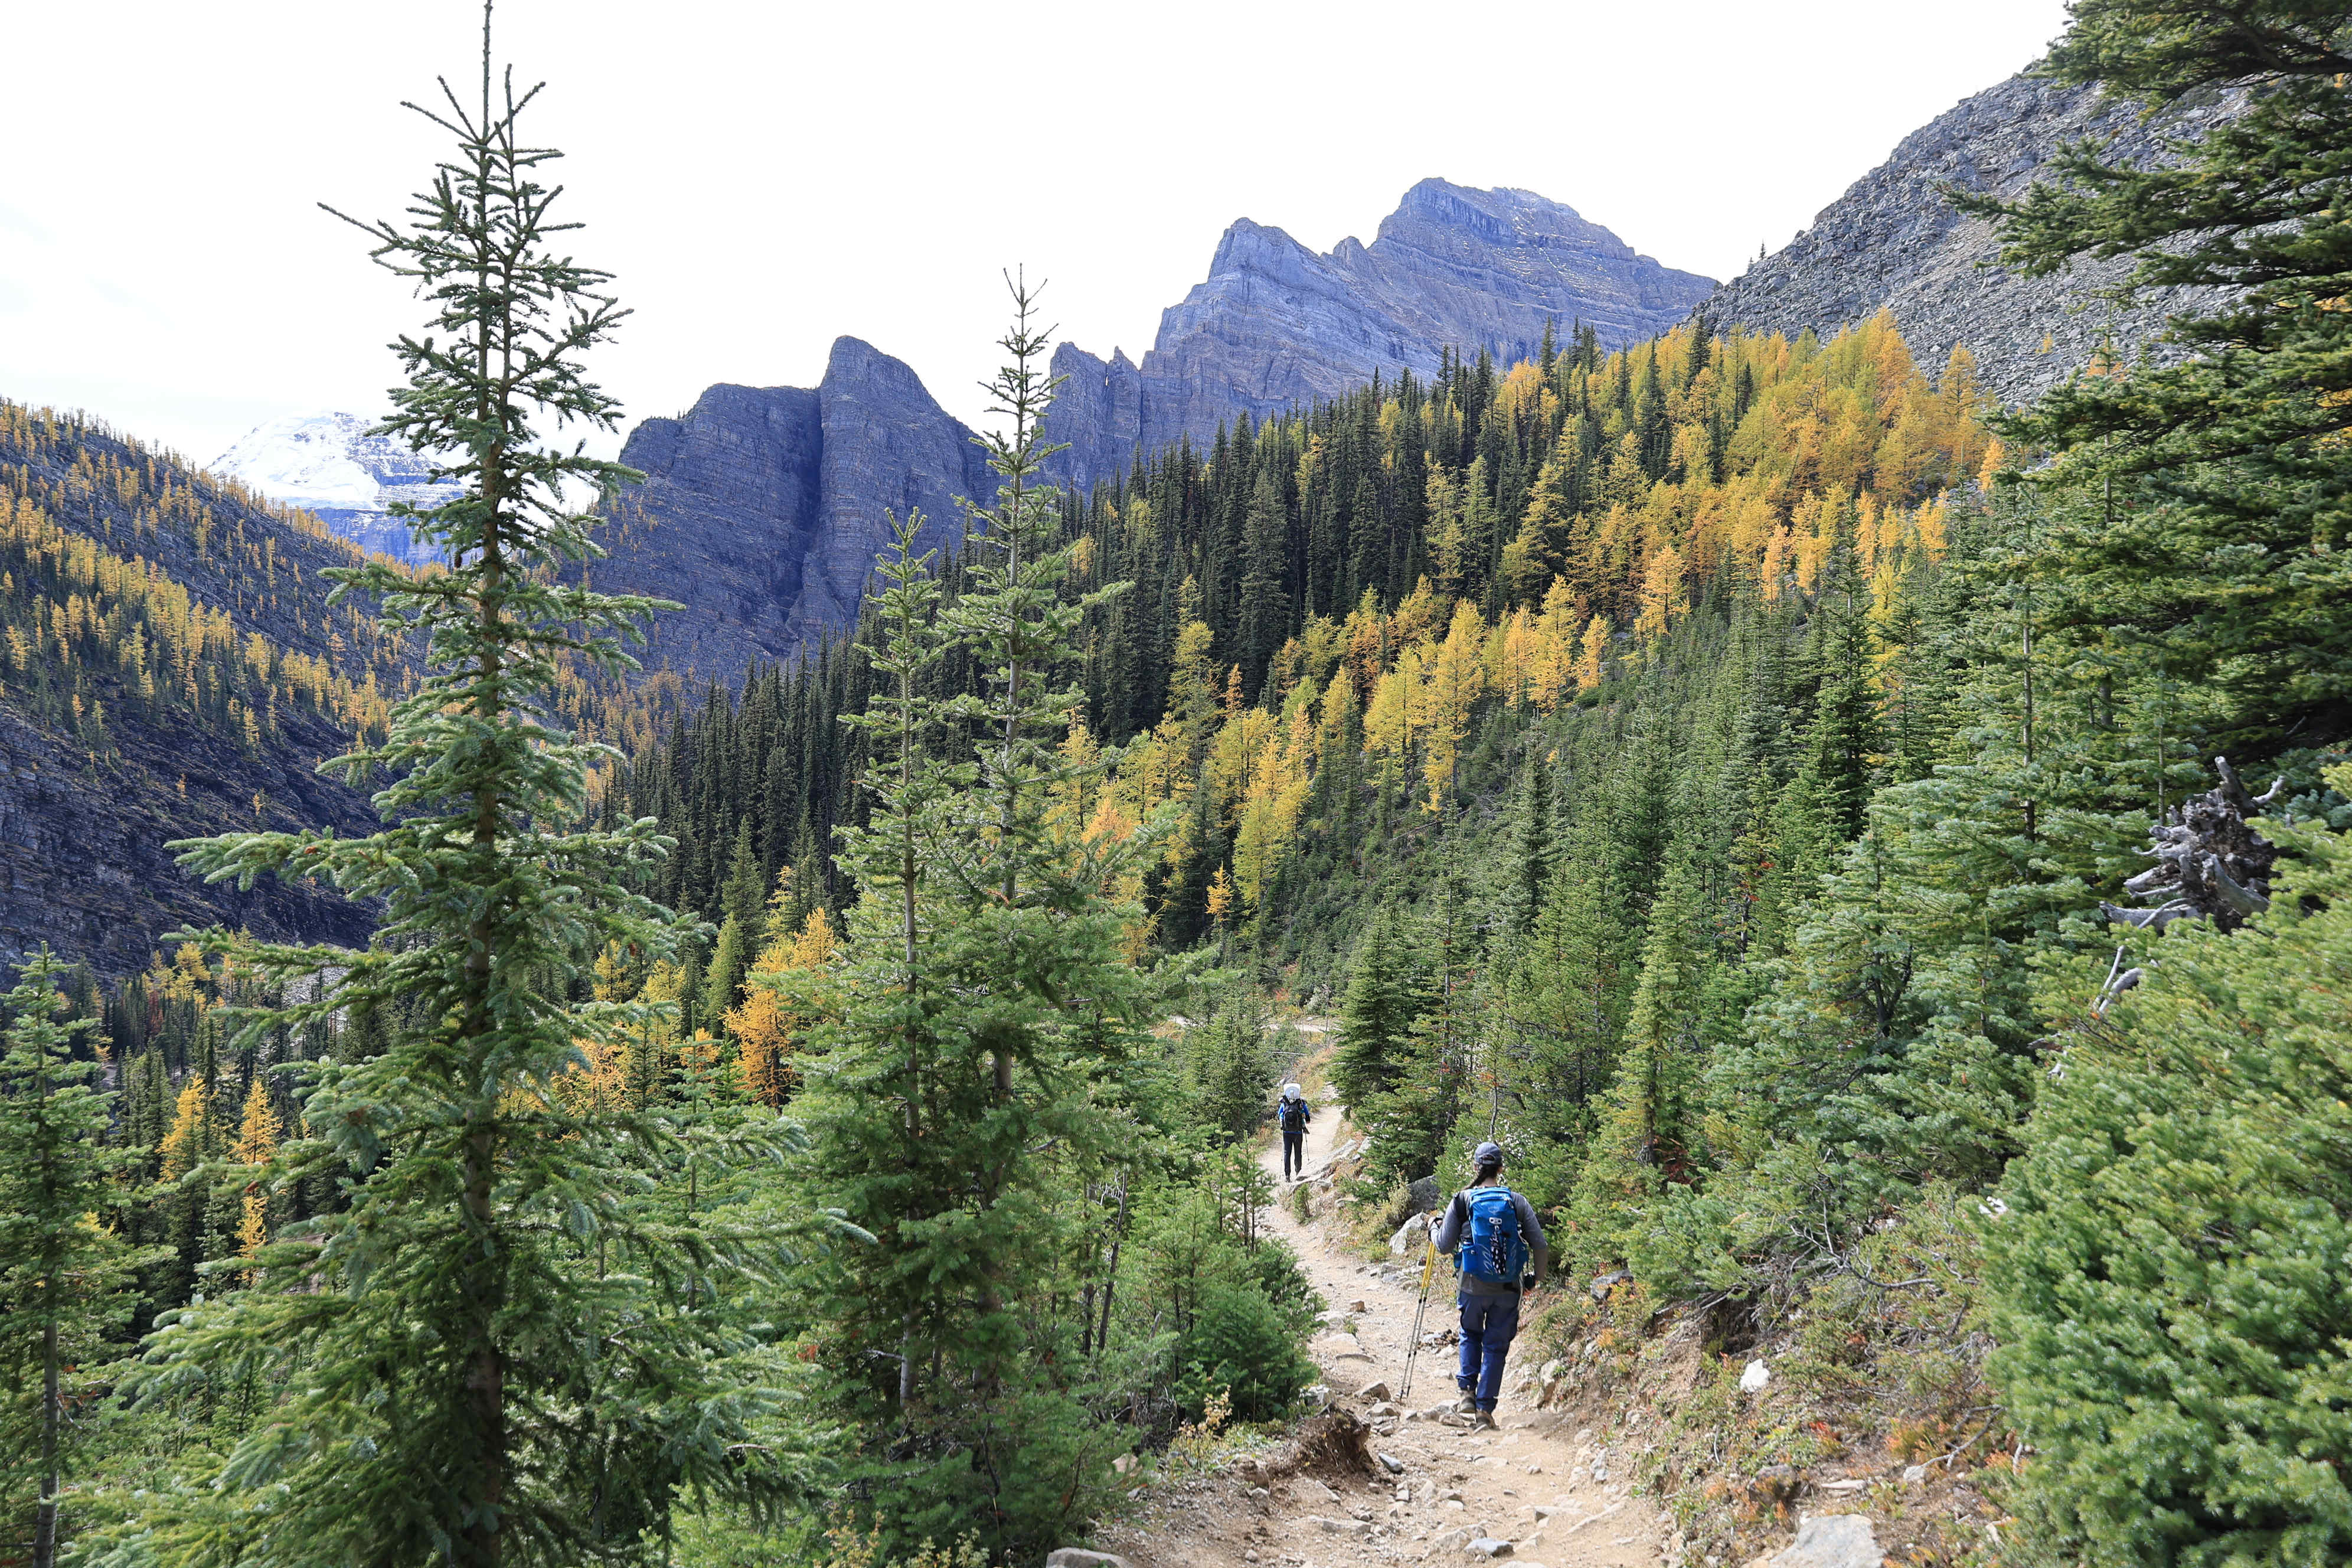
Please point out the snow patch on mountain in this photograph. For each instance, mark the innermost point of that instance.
(333, 466)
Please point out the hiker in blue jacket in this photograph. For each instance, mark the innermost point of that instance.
(1499, 1251)
(1294, 1114)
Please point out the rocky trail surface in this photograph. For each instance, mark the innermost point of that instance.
(1545, 1490)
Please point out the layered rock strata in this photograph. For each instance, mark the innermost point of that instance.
(763, 507)
(1276, 325)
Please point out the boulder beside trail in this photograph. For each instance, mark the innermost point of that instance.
(1455, 1541)
(1079, 1557)
(1330, 1526)
(1833, 1540)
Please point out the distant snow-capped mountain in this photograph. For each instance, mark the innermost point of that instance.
(329, 465)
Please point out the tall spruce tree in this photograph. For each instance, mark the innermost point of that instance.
(1646, 1129)
(966, 1084)
(1845, 733)
(1385, 997)
(1231, 1068)
(2173, 1282)
(1410, 1121)
(1564, 999)
(492, 1352)
(2217, 545)
(1530, 848)
(66, 1270)
(1265, 611)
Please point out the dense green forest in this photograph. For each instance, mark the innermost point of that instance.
(1775, 794)
(1635, 483)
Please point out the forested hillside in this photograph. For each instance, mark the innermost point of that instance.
(1739, 780)
(1334, 607)
(1876, 863)
(171, 667)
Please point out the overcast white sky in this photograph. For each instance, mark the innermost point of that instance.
(766, 176)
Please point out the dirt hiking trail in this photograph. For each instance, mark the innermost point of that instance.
(1546, 1484)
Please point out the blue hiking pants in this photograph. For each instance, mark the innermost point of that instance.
(1488, 1325)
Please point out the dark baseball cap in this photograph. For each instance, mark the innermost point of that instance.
(1486, 1155)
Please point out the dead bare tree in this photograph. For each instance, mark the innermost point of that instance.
(2211, 864)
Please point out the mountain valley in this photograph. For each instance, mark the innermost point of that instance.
(1795, 832)
(763, 506)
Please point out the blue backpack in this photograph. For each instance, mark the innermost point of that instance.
(1492, 1247)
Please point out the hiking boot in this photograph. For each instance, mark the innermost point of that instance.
(1466, 1406)
(1487, 1419)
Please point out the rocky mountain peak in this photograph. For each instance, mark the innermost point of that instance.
(1275, 324)
(762, 507)
(853, 361)
(1437, 215)
(1895, 242)
(1257, 247)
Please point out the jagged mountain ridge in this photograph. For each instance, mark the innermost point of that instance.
(1275, 324)
(1894, 241)
(336, 468)
(763, 507)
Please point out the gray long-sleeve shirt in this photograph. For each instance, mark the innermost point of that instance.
(1449, 1238)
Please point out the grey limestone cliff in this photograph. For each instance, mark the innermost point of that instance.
(1894, 241)
(1276, 324)
(762, 507)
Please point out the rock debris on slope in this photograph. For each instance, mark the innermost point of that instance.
(1894, 241)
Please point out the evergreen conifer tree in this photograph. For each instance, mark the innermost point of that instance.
(1530, 866)
(66, 1270)
(1230, 1072)
(1646, 1134)
(742, 917)
(965, 1087)
(1265, 599)
(447, 1340)
(1429, 1086)
(1565, 999)
(2173, 1279)
(2217, 542)
(1845, 735)
(1384, 998)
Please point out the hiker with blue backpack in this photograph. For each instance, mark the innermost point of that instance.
(1294, 1114)
(1499, 1252)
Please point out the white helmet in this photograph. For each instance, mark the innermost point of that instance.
(1290, 1092)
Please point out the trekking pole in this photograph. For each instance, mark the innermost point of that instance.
(1412, 1348)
